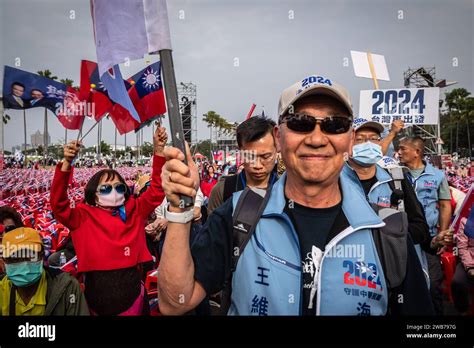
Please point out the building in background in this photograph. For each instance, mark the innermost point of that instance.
(37, 139)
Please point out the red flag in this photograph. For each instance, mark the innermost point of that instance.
(122, 119)
(252, 108)
(92, 90)
(71, 115)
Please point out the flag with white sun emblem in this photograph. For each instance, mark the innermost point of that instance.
(146, 92)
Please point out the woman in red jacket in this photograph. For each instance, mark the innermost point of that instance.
(108, 231)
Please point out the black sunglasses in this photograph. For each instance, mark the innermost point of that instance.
(305, 123)
(106, 189)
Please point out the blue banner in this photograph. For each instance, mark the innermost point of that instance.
(25, 90)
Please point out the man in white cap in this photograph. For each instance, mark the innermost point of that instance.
(311, 251)
(389, 187)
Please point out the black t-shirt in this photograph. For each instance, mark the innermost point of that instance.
(368, 183)
(313, 226)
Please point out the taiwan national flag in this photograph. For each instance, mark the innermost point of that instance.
(146, 92)
(113, 82)
(467, 212)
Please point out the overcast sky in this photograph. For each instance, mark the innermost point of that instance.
(276, 43)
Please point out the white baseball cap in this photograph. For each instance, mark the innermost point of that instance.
(313, 85)
(363, 123)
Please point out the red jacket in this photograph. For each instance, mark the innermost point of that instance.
(103, 241)
(207, 186)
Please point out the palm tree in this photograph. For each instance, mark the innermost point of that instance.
(468, 114)
(67, 82)
(210, 119)
(47, 73)
(460, 109)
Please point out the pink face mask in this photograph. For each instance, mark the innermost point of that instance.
(113, 199)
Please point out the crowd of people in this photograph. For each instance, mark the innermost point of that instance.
(314, 219)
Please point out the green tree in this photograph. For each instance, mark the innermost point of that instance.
(203, 147)
(458, 119)
(40, 150)
(47, 73)
(104, 148)
(146, 149)
(90, 149)
(56, 151)
(67, 82)
(120, 153)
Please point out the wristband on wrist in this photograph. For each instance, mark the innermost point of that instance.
(180, 218)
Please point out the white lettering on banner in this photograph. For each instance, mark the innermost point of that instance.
(37, 331)
(414, 106)
(53, 92)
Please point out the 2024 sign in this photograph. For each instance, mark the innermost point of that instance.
(398, 102)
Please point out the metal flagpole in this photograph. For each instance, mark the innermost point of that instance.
(137, 141)
(176, 122)
(45, 150)
(99, 136)
(24, 129)
(90, 129)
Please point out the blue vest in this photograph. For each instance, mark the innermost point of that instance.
(268, 277)
(426, 188)
(380, 194)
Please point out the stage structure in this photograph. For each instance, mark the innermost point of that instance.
(188, 108)
(425, 77)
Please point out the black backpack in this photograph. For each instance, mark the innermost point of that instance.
(390, 240)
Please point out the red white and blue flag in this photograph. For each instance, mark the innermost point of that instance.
(147, 93)
(467, 212)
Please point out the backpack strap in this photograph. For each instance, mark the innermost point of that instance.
(391, 244)
(12, 305)
(396, 199)
(230, 186)
(247, 213)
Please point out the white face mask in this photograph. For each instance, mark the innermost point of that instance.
(367, 154)
(113, 199)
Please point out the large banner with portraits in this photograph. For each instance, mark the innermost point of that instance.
(25, 90)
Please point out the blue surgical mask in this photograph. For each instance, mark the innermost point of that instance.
(367, 154)
(23, 274)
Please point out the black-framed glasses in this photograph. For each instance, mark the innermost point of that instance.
(106, 189)
(303, 123)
